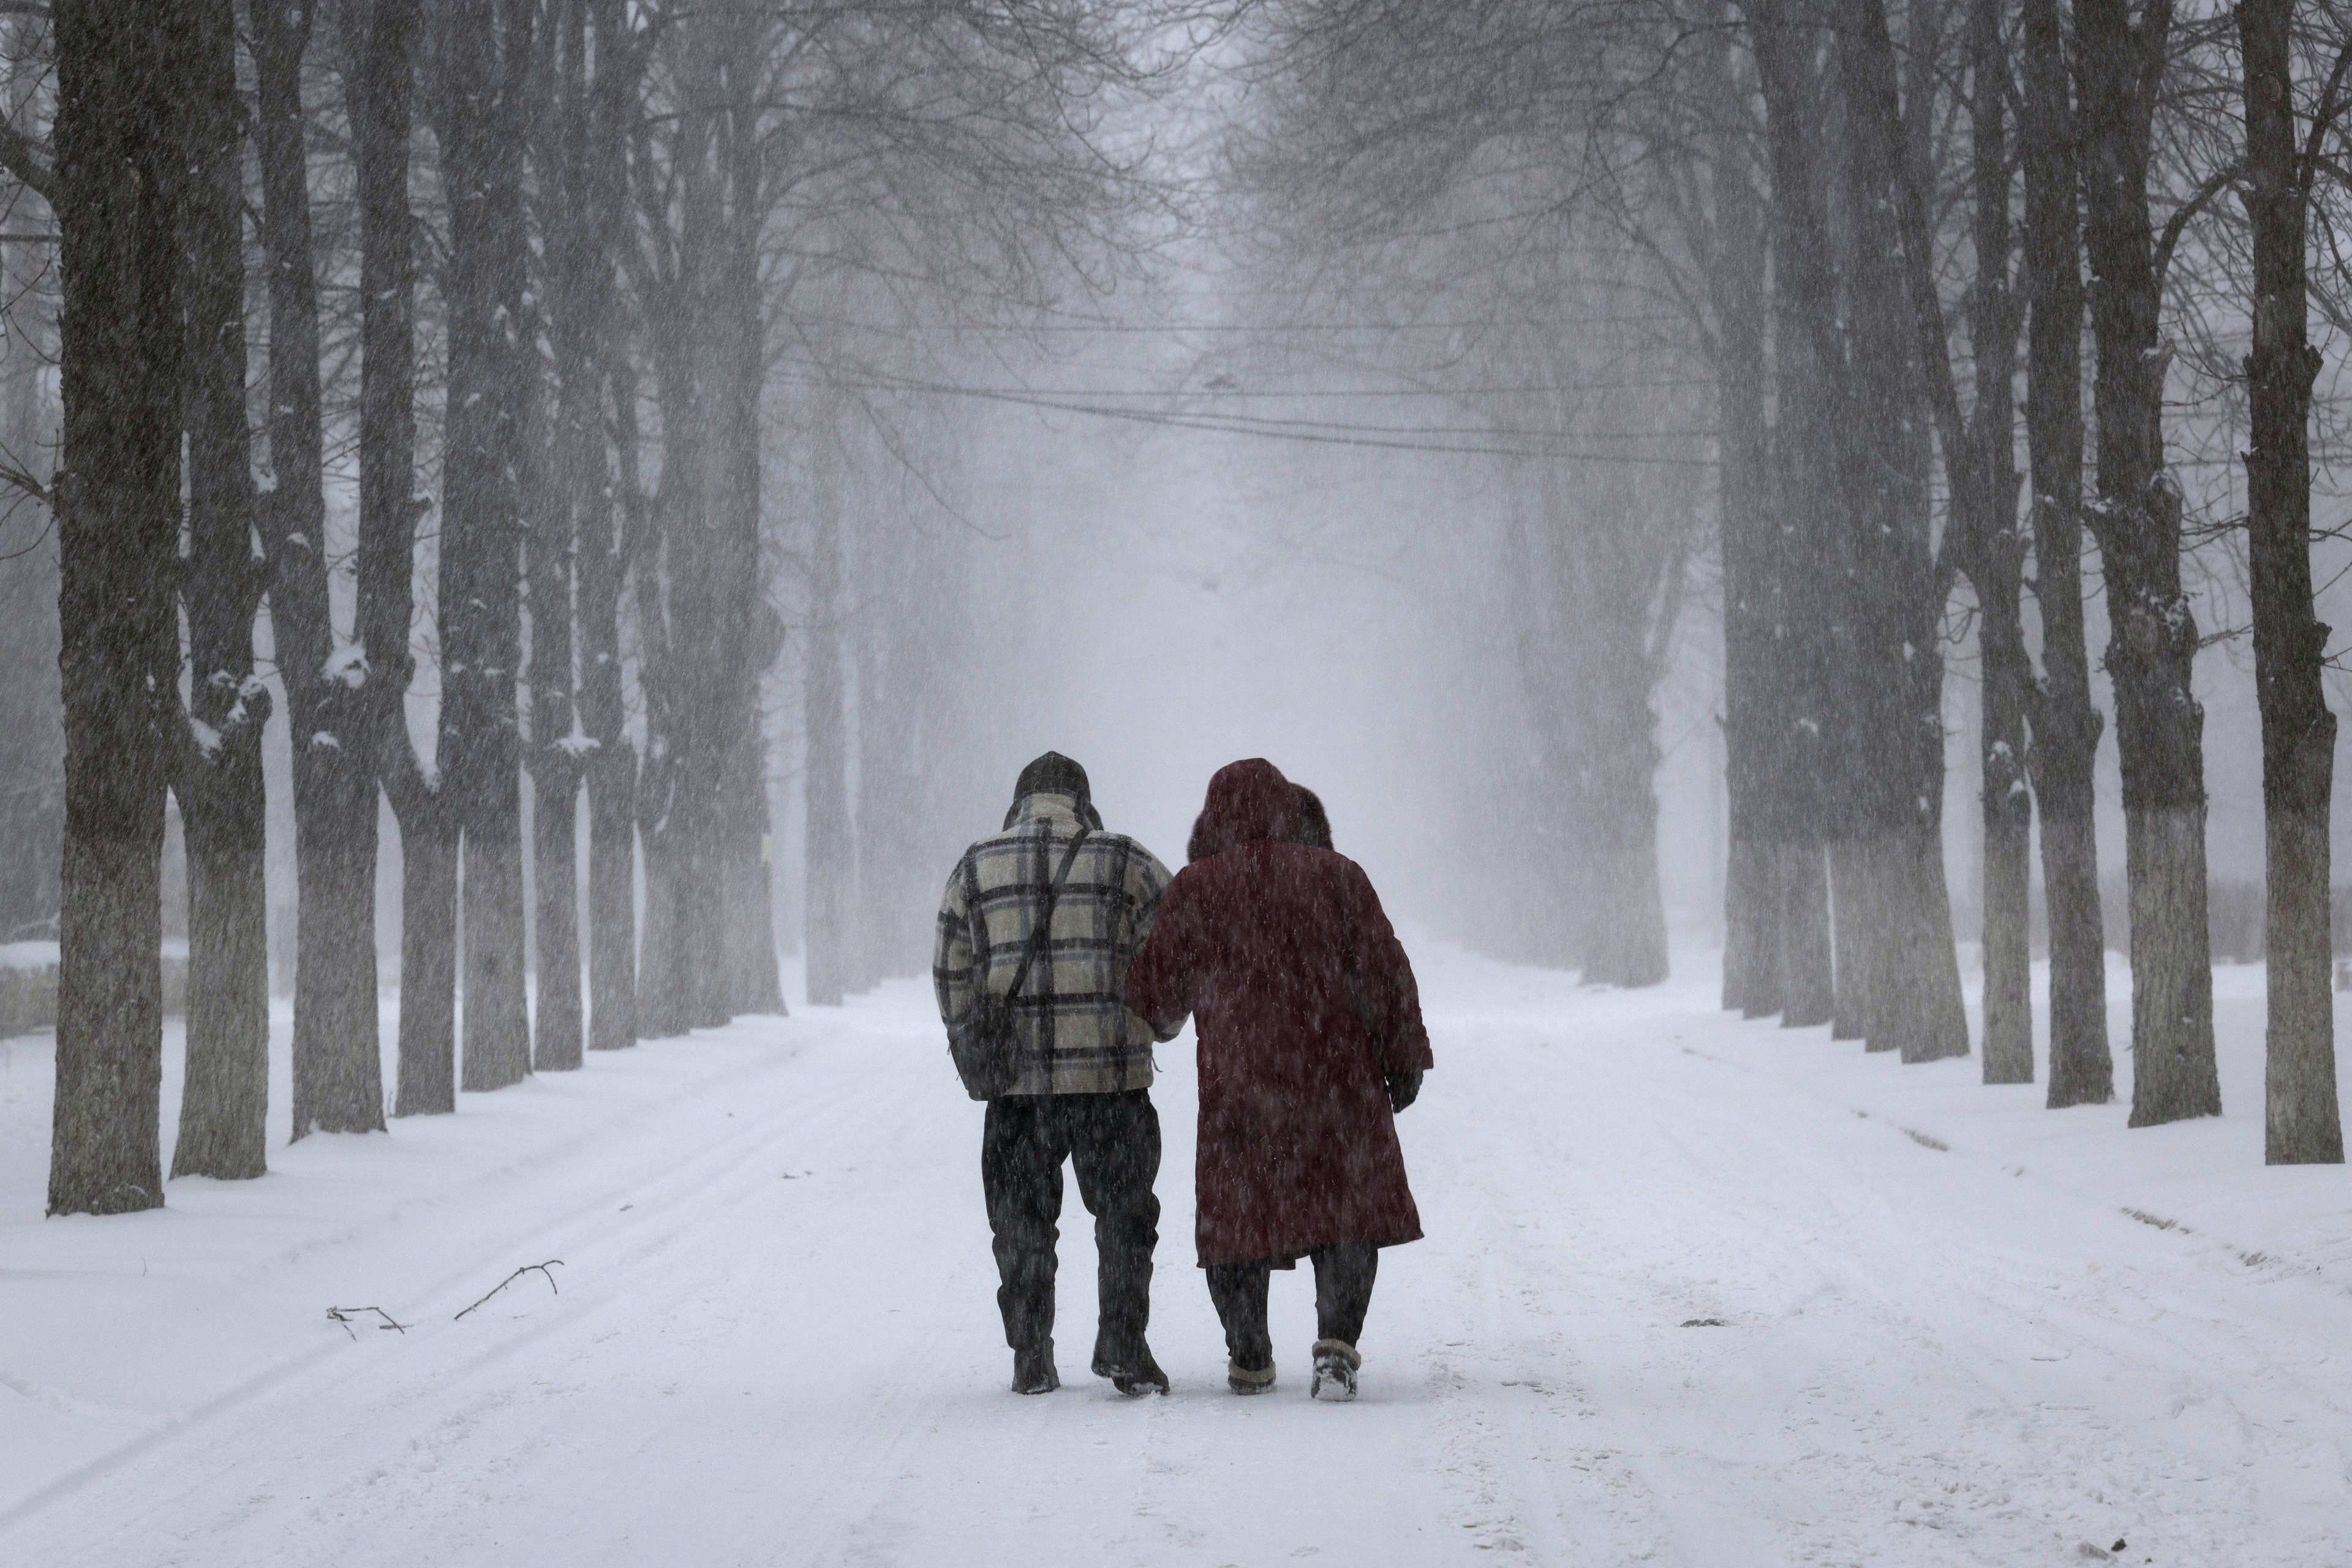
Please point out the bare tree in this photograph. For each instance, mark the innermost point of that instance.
(605, 499)
(483, 62)
(216, 761)
(2301, 1124)
(830, 853)
(337, 1064)
(32, 791)
(2160, 725)
(117, 183)
(2066, 725)
(589, 71)
(1890, 676)
(382, 38)
(1979, 463)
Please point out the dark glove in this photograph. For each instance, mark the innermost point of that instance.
(1403, 1088)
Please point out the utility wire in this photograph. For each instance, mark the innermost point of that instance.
(1241, 425)
(1181, 328)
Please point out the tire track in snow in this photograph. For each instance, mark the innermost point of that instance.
(701, 1177)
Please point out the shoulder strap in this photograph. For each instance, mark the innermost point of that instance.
(1042, 931)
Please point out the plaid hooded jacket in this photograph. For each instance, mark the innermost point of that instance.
(1076, 1034)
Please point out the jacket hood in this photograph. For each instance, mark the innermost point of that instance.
(1054, 805)
(1248, 800)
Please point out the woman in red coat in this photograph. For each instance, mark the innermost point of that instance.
(1310, 1040)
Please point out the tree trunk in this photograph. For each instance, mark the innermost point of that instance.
(2159, 726)
(1850, 895)
(428, 955)
(2301, 1124)
(1894, 675)
(1808, 974)
(1994, 558)
(1735, 281)
(880, 747)
(121, 157)
(612, 899)
(662, 997)
(555, 773)
(1929, 1015)
(480, 744)
(224, 1105)
(829, 864)
(556, 743)
(675, 599)
(2066, 725)
(583, 197)
(338, 1067)
(2008, 827)
(612, 769)
(32, 777)
(750, 635)
(381, 41)
(1807, 805)
(754, 984)
(1747, 931)
(1628, 945)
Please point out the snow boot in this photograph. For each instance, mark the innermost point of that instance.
(1134, 1371)
(1249, 1379)
(1336, 1365)
(1033, 1372)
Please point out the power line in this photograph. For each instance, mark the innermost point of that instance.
(1239, 425)
(1273, 393)
(1179, 328)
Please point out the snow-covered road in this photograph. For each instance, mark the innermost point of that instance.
(1695, 1292)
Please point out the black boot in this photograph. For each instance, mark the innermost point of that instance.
(1132, 1370)
(1033, 1372)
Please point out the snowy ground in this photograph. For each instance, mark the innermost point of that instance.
(1942, 1338)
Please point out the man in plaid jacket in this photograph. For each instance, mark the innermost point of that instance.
(1084, 1093)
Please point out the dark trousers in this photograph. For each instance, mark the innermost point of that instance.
(1114, 1141)
(1343, 1294)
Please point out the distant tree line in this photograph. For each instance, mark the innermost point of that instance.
(1942, 271)
(419, 378)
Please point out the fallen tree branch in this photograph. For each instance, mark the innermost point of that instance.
(344, 1315)
(542, 1267)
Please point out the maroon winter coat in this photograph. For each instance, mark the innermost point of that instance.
(1303, 1001)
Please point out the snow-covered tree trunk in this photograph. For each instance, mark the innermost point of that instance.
(225, 1103)
(606, 538)
(332, 704)
(1812, 810)
(560, 447)
(382, 38)
(1894, 678)
(2301, 1122)
(117, 189)
(479, 746)
(2066, 726)
(32, 781)
(1993, 555)
(678, 207)
(1623, 551)
(428, 950)
(554, 757)
(1850, 899)
(2008, 806)
(2160, 725)
(583, 202)
(830, 852)
(741, 968)
(1737, 285)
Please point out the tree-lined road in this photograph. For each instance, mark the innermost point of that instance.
(1671, 1309)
